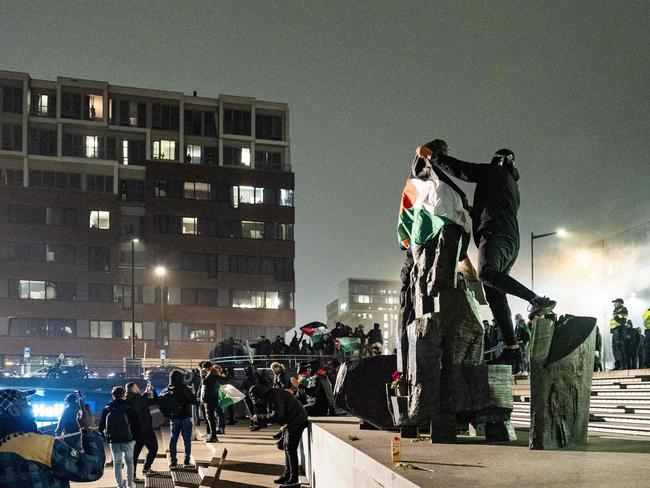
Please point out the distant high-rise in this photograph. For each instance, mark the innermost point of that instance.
(367, 302)
(205, 185)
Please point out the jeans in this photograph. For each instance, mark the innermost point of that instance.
(145, 439)
(292, 437)
(179, 426)
(117, 449)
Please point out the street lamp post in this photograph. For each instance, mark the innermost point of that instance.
(160, 271)
(533, 237)
(133, 243)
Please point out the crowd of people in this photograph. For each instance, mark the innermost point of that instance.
(630, 345)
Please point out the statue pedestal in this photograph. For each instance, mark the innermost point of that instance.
(561, 369)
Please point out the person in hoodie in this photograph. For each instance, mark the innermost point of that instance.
(30, 459)
(141, 403)
(496, 234)
(180, 421)
(121, 427)
(68, 422)
(284, 409)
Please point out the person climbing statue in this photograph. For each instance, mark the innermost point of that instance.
(496, 234)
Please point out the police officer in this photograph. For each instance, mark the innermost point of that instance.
(618, 329)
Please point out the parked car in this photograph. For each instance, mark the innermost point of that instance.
(76, 371)
(159, 375)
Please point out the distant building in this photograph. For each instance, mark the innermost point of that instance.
(204, 184)
(367, 302)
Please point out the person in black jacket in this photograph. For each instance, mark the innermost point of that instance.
(284, 409)
(68, 421)
(209, 396)
(280, 378)
(496, 234)
(253, 377)
(140, 402)
(180, 421)
(120, 425)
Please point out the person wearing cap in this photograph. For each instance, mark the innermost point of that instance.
(286, 410)
(496, 235)
(30, 459)
(618, 329)
(68, 421)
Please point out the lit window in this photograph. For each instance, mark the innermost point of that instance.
(363, 299)
(286, 198)
(101, 329)
(272, 299)
(194, 154)
(245, 156)
(92, 147)
(95, 107)
(252, 230)
(125, 152)
(164, 149)
(43, 104)
(202, 191)
(189, 225)
(100, 219)
(247, 299)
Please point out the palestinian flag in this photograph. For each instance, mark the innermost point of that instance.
(229, 395)
(348, 344)
(425, 207)
(316, 330)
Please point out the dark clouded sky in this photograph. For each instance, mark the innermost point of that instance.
(564, 84)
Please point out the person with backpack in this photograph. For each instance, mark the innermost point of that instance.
(120, 426)
(140, 402)
(175, 403)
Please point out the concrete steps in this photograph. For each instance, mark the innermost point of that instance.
(619, 404)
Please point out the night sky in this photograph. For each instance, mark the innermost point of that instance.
(563, 84)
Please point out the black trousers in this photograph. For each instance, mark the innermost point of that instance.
(496, 256)
(211, 418)
(618, 347)
(292, 436)
(145, 439)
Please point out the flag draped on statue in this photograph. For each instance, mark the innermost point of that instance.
(427, 205)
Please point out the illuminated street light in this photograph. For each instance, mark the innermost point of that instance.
(560, 233)
(160, 271)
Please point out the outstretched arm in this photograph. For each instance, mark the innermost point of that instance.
(455, 167)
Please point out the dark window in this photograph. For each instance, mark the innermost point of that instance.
(11, 137)
(99, 259)
(210, 155)
(22, 214)
(167, 224)
(122, 294)
(27, 327)
(100, 292)
(165, 117)
(160, 188)
(65, 217)
(99, 183)
(210, 124)
(11, 177)
(133, 152)
(268, 127)
(268, 160)
(55, 179)
(132, 190)
(71, 105)
(237, 122)
(131, 226)
(73, 145)
(12, 99)
(42, 141)
(61, 253)
(43, 104)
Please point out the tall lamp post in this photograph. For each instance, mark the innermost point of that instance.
(160, 272)
(533, 237)
(133, 243)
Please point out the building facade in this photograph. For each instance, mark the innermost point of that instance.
(201, 189)
(367, 302)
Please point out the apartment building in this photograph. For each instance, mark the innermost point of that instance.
(200, 189)
(367, 302)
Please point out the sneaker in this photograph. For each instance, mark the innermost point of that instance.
(512, 357)
(146, 471)
(540, 306)
(212, 439)
(173, 465)
(187, 462)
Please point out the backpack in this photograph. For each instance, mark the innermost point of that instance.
(168, 403)
(118, 428)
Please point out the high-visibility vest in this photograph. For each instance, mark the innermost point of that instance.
(646, 318)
